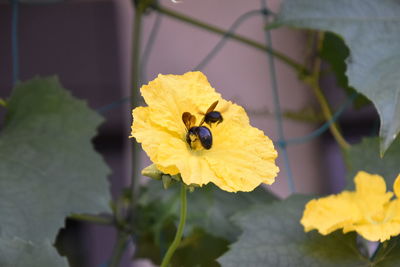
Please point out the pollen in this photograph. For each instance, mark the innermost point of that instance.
(194, 142)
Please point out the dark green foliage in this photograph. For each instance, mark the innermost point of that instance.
(335, 52)
(273, 236)
(373, 67)
(208, 229)
(365, 157)
(49, 168)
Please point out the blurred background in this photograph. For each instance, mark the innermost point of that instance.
(88, 43)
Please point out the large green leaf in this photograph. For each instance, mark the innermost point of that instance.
(273, 236)
(208, 228)
(334, 51)
(19, 253)
(389, 254)
(365, 157)
(209, 207)
(48, 167)
(371, 29)
(198, 248)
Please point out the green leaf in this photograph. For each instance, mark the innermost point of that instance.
(153, 237)
(335, 51)
(208, 227)
(365, 157)
(197, 249)
(371, 29)
(200, 249)
(49, 168)
(389, 254)
(19, 253)
(306, 114)
(208, 207)
(273, 236)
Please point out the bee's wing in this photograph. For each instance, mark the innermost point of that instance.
(188, 119)
(192, 121)
(224, 107)
(212, 107)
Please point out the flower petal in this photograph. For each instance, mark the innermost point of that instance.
(378, 232)
(330, 213)
(396, 186)
(369, 184)
(393, 211)
(371, 194)
(232, 112)
(150, 135)
(242, 156)
(191, 164)
(172, 95)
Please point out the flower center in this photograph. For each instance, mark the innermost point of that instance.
(378, 217)
(199, 137)
(381, 216)
(193, 141)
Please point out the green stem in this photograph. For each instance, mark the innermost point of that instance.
(326, 111)
(119, 249)
(3, 102)
(137, 29)
(173, 14)
(179, 232)
(97, 219)
(313, 81)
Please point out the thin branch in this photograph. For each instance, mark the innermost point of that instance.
(135, 101)
(3, 102)
(179, 232)
(313, 81)
(176, 15)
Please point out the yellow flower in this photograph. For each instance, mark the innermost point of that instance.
(370, 210)
(240, 158)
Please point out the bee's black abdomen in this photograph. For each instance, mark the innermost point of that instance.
(204, 135)
(213, 117)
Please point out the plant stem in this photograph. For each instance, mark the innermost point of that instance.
(326, 110)
(173, 14)
(97, 219)
(3, 102)
(137, 29)
(313, 81)
(119, 249)
(179, 232)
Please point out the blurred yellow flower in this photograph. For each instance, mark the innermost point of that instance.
(370, 210)
(226, 151)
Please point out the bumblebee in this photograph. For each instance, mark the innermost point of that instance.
(194, 133)
(211, 116)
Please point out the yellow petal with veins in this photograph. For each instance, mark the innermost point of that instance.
(396, 186)
(330, 213)
(370, 210)
(241, 157)
(378, 232)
